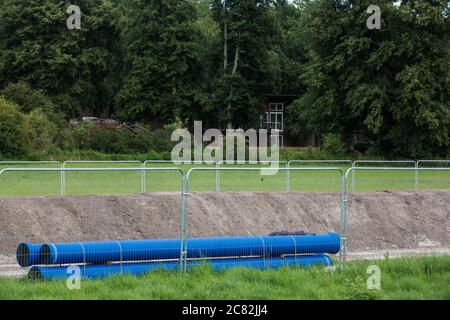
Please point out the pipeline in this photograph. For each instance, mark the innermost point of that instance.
(146, 250)
(137, 269)
(28, 254)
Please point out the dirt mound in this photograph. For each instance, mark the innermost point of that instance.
(385, 220)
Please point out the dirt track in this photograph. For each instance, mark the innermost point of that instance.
(377, 221)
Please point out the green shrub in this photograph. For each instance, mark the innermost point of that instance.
(109, 141)
(42, 131)
(14, 130)
(333, 145)
(65, 139)
(27, 98)
(160, 139)
(140, 140)
(309, 153)
(63, 155)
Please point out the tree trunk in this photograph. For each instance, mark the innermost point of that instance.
(235, 66)
(225, 45)
(236, 58)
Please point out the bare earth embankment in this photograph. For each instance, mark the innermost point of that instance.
(394, 221)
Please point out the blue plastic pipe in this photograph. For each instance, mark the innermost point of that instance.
(137, 269)
(27, 254)
(145, 250)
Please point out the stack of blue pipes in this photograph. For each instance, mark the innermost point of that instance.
(102, 259)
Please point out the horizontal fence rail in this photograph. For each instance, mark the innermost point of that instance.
(440, 162)
(30, 162)
(434, 161)
(99, 162)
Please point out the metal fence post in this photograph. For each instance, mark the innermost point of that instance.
(353, 177)
(143, 177)
(288, 177)
(184, 224)
(218, 176)
(63, 192)
(183, 240)
(343, 221)
(417, 176)
(62, 179)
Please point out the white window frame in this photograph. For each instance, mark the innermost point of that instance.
(276, 122)
(276, 107)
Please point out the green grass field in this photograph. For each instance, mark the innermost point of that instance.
(405, 278)
(87, 183)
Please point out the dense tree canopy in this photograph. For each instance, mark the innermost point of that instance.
(73, 67)
(392, 83)
(166, 61)
(161, 43)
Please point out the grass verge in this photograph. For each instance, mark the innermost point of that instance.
(404, 278)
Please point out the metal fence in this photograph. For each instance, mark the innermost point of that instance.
(185, 218)
(179, 256)
(99, 259)
(214, 181)
(345, 197)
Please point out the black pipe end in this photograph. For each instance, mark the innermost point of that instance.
(23, 255)
(35, 274)
(45, 254)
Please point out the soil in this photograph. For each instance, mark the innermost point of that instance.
(379, 221)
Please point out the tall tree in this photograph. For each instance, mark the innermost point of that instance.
(74, 67)
(247, 31)
(392, 83)
(162, 66)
